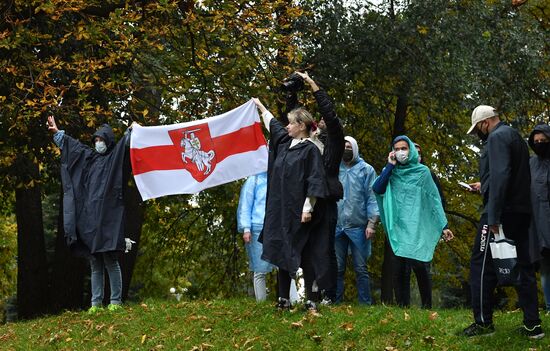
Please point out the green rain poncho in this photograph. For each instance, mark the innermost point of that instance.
(411, 209)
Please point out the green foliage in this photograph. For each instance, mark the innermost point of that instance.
(244, 325)
(191, 242)
(91, 62)
(440, 59)
(8, 255)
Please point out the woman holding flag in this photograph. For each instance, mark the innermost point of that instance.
(296, 179)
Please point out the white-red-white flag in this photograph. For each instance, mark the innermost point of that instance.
(186, 158)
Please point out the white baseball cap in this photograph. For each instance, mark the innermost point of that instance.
(481, 113)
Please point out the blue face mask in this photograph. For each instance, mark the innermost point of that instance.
(100, 147)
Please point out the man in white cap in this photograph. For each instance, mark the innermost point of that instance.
(505, 187)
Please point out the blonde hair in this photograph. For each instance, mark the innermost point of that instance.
(301, 115)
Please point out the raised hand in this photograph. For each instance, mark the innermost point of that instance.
(52, 127)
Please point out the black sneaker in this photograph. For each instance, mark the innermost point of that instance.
(283, 304)
(476, 329)
(310, 306)
(532, 333)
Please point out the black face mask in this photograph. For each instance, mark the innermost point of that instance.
(348, 155)
(542, 149)
(482, 136)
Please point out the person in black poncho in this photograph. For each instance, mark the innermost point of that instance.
(296, 179)
(93, 206)
(539, 230)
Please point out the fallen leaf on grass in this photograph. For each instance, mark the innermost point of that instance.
(297, 325)
(68, 339)
(143, 337)
(347, 326)
(391, 348)
(206, 346)
(314, 313)
(316, 338)
(207, 330)
(193, 317)
(433, 316)
(384, 321)
(429, 339)
(248, 341)
(144, 306)
(407, 316)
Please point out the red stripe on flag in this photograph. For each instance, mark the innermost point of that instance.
(168, 157)
(155, 158)
(245, 139)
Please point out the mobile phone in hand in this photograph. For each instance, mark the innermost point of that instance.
(466, 185)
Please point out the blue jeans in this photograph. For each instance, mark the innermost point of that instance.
(354, 240)
(545, 280)
(98, 263)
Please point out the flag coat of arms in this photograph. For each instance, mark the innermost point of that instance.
(186, 158)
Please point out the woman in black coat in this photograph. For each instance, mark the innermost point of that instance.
(296, 179)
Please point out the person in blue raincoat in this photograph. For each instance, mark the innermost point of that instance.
(411, 212)
(357, 218)
(250, 221)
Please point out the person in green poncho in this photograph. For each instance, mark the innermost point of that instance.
(412, 214)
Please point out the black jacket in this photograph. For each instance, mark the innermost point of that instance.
(333, 141)
(504, 174)
(539, 230)
(93, 207)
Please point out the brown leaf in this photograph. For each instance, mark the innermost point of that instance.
(433, 316)
(407, 316)
(317, 338)
(347, 326)
(429, 339)
(296, 325)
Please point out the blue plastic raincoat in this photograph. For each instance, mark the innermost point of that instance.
(250, 216)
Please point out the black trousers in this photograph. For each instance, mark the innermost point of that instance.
(283, 281)
(321, 245)
(402, 281)
(483, 280)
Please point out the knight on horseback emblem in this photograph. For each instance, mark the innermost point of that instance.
(191, 145)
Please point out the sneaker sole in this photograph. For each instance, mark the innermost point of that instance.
(536, 337)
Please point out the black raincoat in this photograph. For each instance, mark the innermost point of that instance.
(93, 206)
(539, 231)
(294, 174)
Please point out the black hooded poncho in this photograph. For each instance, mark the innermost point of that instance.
(539, 231)
(93, 207)
(294, 174)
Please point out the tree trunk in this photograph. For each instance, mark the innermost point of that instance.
(68, 272)
(32, 266)
(386, 295)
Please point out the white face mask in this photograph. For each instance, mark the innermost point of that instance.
(100, 147)
(402, 156)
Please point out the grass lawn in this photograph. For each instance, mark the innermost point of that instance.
(241, 324)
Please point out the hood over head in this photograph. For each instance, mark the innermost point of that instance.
(354, 147)
(106, 133)
(413, 153)
(541, 128)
